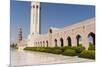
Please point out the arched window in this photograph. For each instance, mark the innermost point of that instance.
(91, 38)
(50, 30)
(61, 41)
(37, 6)
(79, 39)
(69, 41)
(33, 6)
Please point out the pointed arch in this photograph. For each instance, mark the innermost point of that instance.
(91, 37)
(69, 41)
(61, 41)
(47, 43)
(78, 39)
(55, 42)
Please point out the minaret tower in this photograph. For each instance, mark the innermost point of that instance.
(20, 35)
(21, 42)
(35, 18)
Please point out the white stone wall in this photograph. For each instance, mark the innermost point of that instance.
(83, 28)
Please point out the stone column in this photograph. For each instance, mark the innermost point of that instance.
(85, 42)
(73, 38)
(85, 38)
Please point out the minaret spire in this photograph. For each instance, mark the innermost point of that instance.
(35, 18)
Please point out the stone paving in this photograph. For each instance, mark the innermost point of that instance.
(37, 58)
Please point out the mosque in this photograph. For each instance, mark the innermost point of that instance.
(72, 35)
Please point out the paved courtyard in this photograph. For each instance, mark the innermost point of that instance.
(37, 58)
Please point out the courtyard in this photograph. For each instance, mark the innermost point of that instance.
(38, 58)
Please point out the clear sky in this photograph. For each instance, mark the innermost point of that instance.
(52, 15)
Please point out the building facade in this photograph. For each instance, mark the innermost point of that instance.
(72, 35)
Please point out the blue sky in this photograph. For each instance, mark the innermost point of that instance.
(52, 15)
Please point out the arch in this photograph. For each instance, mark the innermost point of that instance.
(33, 6)
(78, 38)
(91, 37)
(69, 41)
(38, 43)
(61, 41)
(43, 43)
(37, 6)
(55, 42)
(47, 43)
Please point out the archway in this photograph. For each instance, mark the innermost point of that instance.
(79, 39)
(47, 43)
(55, 42)
(35, 44)
(43, 44)
(69, 41)
(61, 40)
(91, 38)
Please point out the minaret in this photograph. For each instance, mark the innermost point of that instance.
(35, 18)
(20, 35)
(21, 42)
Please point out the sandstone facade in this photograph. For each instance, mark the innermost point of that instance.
(67, 36)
